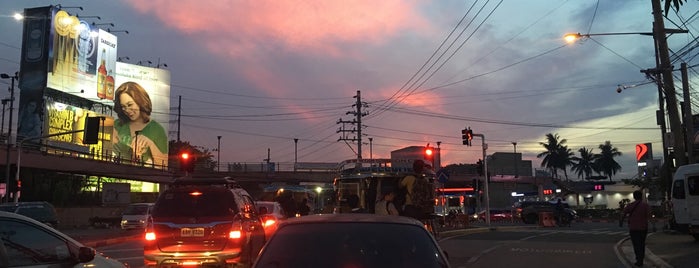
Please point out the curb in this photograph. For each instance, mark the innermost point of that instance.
(624, 251)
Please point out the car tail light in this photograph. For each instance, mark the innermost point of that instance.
(150, 236)
(268, 222)
(236, 231)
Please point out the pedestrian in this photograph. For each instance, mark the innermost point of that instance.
(303, 207)
(353, 203)
(638, 214)
(385, 206)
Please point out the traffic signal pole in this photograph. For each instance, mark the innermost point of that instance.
(485, 174)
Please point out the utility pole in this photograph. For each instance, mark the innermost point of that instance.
(179, 116)
(688, 117)
(358, 127)
(9, 134)
(659, 34)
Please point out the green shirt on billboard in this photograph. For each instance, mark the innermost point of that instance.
(153, 131)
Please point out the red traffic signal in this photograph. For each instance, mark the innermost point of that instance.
(187, 162)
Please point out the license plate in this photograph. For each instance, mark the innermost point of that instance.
(191, 232)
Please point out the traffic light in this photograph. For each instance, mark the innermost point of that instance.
(91, 130)
(469, 135)
(479, 167)
(187, 162)
(429, 154)
(466, 136)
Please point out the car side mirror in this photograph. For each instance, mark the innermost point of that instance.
(86, 254)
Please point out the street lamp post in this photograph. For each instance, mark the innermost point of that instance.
(9, 133)
(514, 143)
(296, 145)
(218, 160)
(663, 66)
(2, 127)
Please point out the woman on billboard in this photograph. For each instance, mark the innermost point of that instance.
(136, 136)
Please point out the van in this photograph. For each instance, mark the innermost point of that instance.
(685, 199)
(135, 216)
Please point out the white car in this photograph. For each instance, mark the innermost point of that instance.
(25, 242)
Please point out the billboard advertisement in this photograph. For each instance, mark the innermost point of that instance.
(82, 59)
(63, 118)
(32, 80)
(66, 55)
(142, 109)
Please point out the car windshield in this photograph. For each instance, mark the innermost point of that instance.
(136, 210)
(268, 206)
(351, 245)
(8, 208)
(193, 202)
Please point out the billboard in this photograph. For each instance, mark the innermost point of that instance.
(78, 62)
(142, 113)
(64, 118)
(82, 59)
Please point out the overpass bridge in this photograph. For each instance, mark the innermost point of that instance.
(41, 163)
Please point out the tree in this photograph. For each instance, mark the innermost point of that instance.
(676, 3)
(551, 155)
(204, 158)
(584, 165)
(565, 156)
(605, 160)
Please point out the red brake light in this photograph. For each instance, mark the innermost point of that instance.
(150, 236)
(195, 193)
(235, 234)
(268, 223)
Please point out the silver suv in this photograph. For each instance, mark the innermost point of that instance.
(203, 222)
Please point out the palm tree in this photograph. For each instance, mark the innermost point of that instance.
(551, 157)
(605, 160)
(565, 156)
(584, 165)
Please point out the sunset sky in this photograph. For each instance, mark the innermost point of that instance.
(261, 73)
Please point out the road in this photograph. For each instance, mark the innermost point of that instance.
(596, 244)
(583, 245)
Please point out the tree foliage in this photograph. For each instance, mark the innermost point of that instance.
(557, 156)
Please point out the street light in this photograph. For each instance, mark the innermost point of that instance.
(296, 159)
(9, 133)
(662, 66)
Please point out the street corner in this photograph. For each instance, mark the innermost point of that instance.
(625, 253)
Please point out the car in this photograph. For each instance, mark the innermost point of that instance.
(495, 215)
(135, 216)
(529, 211)
(39, 210)
(271, 214)
(203, 222)
(26, 242)
(352, 240)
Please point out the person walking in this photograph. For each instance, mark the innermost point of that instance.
(638, 214)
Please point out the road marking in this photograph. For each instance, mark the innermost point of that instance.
(552, 250)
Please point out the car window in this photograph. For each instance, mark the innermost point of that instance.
(212, 202)
(27, 244)
(356, 245)
(136, 210)
(678, 189)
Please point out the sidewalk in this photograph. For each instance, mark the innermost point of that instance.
(625, 248)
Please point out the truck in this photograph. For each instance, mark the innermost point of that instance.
(685, 199)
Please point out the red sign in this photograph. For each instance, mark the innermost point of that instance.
(643, 151)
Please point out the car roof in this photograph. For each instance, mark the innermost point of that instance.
(352, 218)
(5, 214)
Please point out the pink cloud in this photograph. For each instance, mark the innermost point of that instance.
(297, 25)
